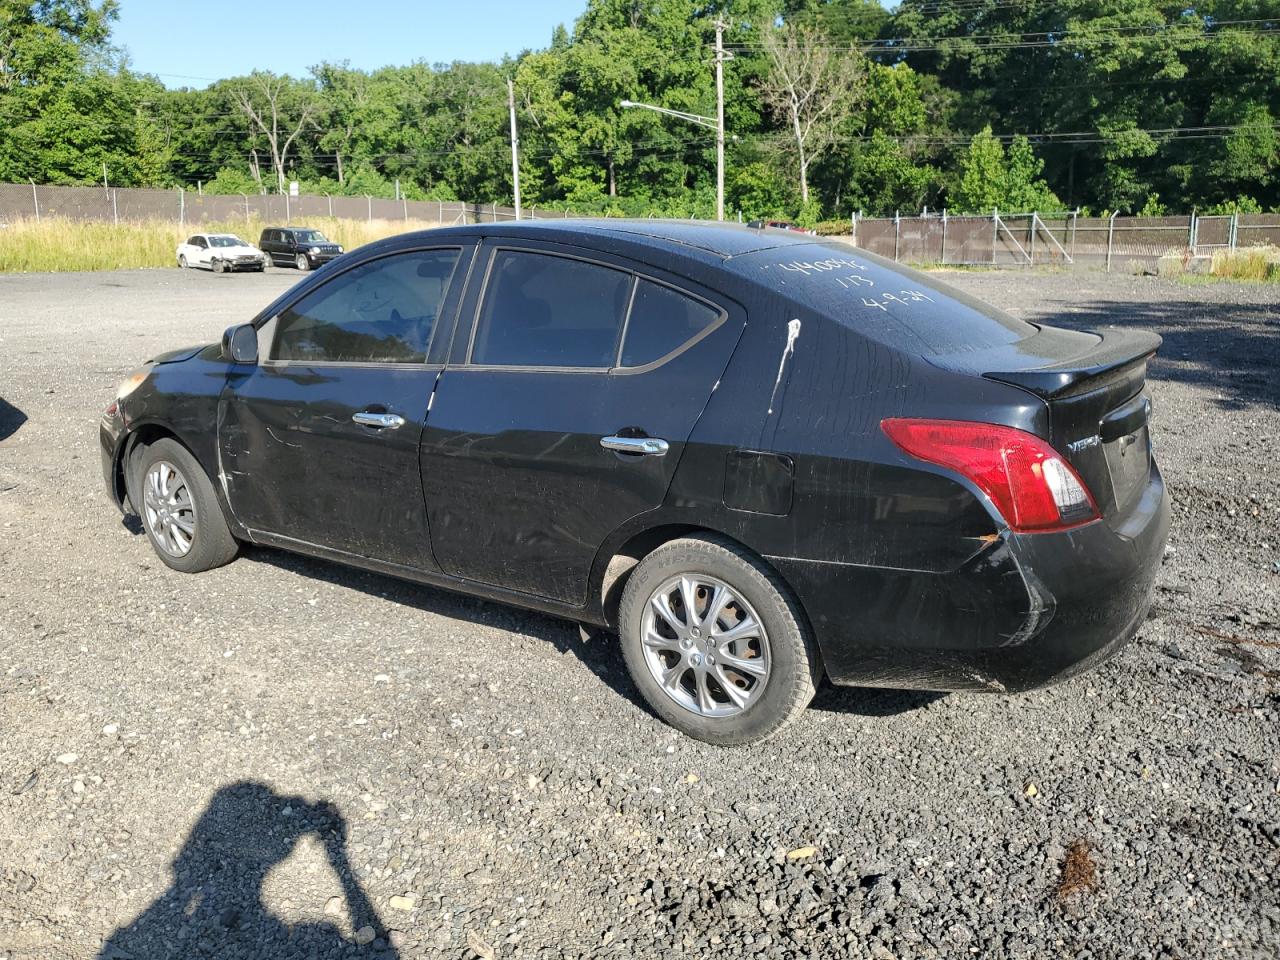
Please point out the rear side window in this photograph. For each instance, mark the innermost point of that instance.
(661, 321)
(381, 311)
(541, 310)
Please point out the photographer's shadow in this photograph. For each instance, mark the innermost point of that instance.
(214, 906)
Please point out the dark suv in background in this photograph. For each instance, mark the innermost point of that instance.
(301, 247)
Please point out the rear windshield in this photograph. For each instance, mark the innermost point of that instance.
(895, 305)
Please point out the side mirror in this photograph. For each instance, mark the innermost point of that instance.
(240, 344)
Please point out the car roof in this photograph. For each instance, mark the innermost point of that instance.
(719, 241)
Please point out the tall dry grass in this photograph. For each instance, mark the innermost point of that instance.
(54, 244)
(1247, 263)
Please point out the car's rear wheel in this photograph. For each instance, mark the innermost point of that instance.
(182, 260)
(179, 509)
(303, 263)
(715, 641)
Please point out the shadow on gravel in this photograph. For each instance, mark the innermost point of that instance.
(214, 907)
(11, 418)
(1231, 348)
(601, 654)
(869, 702)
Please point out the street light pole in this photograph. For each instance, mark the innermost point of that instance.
(715, 123)
(719, 119)
(515, 145)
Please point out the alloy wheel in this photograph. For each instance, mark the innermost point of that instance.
(705, 645)
(169, 510)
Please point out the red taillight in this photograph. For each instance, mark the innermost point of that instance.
(112, 408)
(1034, 489)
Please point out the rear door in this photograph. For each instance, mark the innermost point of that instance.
(573, 387)
(319, 441)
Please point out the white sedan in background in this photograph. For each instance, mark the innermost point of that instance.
(220, 252)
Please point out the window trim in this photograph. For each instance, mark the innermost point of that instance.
(271, 322)
(615, 369)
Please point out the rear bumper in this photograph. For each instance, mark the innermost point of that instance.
(1027, 611)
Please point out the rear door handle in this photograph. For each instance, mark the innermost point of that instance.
(380, 421)
(646, 446)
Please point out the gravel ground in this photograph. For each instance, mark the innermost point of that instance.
(287, 758)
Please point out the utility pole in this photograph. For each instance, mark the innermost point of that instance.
(719, 119)
(515, 145)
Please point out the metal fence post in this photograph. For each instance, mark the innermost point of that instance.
(942, 256)
(404, 200)
(329, 197)
(897, 234)
(1191, 233)
(1075, 215)
(288, 215)
(1111, 232)
(995, 232)
(182, 207)
(1235, 223)
(35, 199)
(246, 205)
(115, 211)
(1031, 253)
(369, 201)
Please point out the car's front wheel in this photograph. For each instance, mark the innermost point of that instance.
(179, 509)
(303, 263)
(715, 641)
(182, 260)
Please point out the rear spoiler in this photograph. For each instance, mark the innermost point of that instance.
(1116, 357)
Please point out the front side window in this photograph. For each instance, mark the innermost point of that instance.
(541, 310)
(381, 311)
(662, 320)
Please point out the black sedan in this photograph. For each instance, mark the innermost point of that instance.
(761, 458)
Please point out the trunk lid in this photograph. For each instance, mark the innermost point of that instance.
(1099, 409)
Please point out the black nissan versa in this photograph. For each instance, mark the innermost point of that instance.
(760, 457)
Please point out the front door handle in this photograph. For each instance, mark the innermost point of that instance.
(380, 421)
(646, 446)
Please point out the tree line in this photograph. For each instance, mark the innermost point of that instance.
(831, 107)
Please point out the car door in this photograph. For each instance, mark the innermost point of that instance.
(319, 441)
(266, 245)
(577, 386)
(199, 251)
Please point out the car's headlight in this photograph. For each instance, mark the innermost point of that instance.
(133, 383)
(314, 250)
(340, 248)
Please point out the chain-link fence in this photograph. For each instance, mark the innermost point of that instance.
(995, 239)
(125, 204)
(1022, 239)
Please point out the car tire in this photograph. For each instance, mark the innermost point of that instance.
(179, 509)
(217, 266)
(182, 261)
(781, 667)
(303, 263)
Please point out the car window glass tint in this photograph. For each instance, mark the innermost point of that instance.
(662, 320)
(380, 311)
(547, 311)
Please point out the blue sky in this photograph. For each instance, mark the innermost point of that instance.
(185, 45)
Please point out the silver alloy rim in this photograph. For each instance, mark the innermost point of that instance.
(170, 511)
(705, 645)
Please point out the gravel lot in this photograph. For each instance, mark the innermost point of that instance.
(287, 758)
